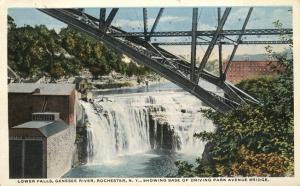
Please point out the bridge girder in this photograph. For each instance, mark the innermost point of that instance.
(208, 33)
(174, 68)
(238, 41)
(227, 43)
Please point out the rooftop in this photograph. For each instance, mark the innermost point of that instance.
(44, 89)
(47, 128)
(256, 57)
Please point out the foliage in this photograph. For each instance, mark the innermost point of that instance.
(257, 87)
(34, 51)
(134, 69)
(259, 164)
(37, 51)
(10, 23)
(185, 169)
(254, 140)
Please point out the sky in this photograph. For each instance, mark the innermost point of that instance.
(179, 19)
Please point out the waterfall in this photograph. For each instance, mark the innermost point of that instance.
(118, 128)
(155, 133)
(182, 111)
(90, 144)
(119, 124)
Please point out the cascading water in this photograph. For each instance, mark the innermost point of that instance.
(117, 128)
(182, 112)
(90, 144)
(120, 123)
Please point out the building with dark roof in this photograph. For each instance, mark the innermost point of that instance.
(41, 148)
(41, 89)
(42, 129)
(27, 98)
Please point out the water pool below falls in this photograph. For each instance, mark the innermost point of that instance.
(126, 134)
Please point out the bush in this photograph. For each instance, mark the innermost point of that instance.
(252, 140)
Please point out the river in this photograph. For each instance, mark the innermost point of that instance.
(123, 142)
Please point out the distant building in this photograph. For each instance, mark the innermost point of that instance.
(42, 129)
(246, 67)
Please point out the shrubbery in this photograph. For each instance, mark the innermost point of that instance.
(254, 140)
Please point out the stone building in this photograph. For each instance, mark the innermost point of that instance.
(247, 67)
(42, 130)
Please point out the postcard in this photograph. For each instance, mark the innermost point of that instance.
(131, 93)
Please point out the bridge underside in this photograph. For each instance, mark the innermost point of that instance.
(179, 71)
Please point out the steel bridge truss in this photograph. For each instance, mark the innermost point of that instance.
(185, 74)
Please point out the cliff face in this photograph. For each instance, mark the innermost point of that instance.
(81, 135)
(162, 135)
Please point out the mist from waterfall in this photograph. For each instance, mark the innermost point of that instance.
(119, 124)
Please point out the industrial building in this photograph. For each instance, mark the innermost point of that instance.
(247, 67)
(27, 98)
(42, 129)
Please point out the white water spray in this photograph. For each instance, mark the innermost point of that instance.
(120, 124)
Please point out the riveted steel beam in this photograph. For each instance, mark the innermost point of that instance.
(208, 33)
(227, 43)
(194, 46)
(212, 43)
(145, 18)
(238, 41)
(161, 10)
(111, 17)
(220, 47)
(102, 16)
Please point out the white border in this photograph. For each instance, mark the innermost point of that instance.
(5, 4)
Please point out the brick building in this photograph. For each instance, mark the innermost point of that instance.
(42, 129)
(247, 67)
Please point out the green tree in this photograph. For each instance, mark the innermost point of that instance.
(254, 140)
(93, 54)
(36, 51)
(10, 23)
(99, 68)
